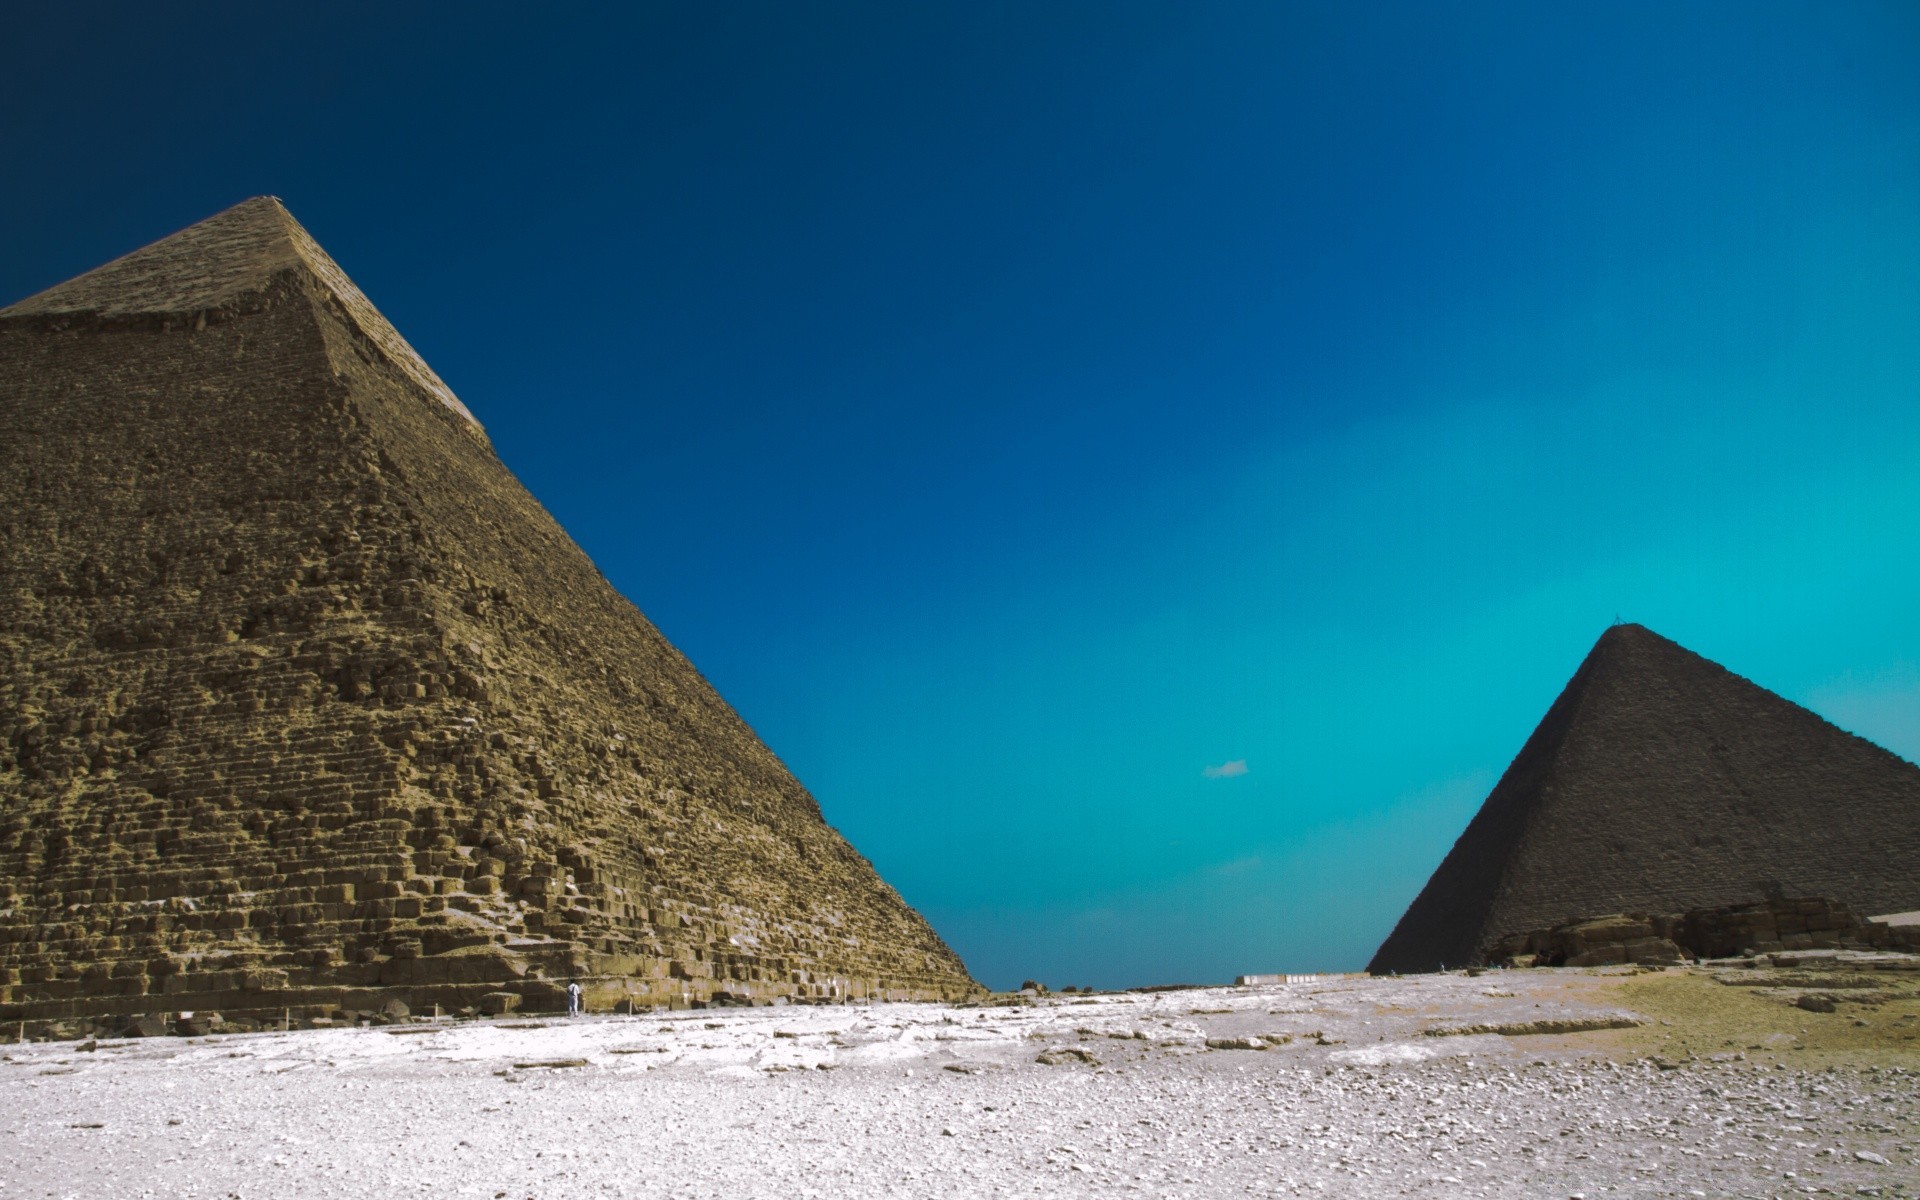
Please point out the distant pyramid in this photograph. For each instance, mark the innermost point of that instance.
(305, 702)
(1660, 782)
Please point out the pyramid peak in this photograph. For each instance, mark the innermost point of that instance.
(1637, 652)
(1620, 629)
(208, 263)
(219, 262)
(1628, 642)
(1631, 633)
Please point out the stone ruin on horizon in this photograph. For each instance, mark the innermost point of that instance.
(306, 704)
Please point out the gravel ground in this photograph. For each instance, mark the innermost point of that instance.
(1351, 1096)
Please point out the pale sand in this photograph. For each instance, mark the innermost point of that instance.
(736, 1103)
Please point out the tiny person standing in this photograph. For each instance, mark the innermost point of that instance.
(573, 999)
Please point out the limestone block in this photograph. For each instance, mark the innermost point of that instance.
(1652, 951)
(263, 980)
(477, 965)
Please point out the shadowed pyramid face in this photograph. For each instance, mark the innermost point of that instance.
(1659, 783)
(305, 701)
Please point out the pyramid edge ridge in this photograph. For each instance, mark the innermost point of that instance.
(1549, 733)
(366, 317)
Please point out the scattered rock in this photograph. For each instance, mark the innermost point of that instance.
(1236, 1043)
(1064, 1055)
(1813, 1003)
(496, 1003)
(1868, 1156)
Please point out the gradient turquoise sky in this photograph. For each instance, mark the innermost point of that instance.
(1022, 412)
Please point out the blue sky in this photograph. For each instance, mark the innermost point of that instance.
(1018, 410)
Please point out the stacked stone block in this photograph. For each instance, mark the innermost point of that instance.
(1774, 926)
(1616, 938)
(1786, 924)
(305, 704)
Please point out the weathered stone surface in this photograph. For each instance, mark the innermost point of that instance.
(306, 704)
(1817, 926)
(1660, 782)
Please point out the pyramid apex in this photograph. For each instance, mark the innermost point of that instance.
(1625, 637)
(205, 265)
(261, 203)
(219, 262)
(1627, 631)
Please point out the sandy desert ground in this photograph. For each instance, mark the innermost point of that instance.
(1721, 1089)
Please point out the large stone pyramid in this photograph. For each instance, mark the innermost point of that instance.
(1660, 782)
(306, 703)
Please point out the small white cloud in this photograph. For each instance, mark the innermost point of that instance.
(1226, 770)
